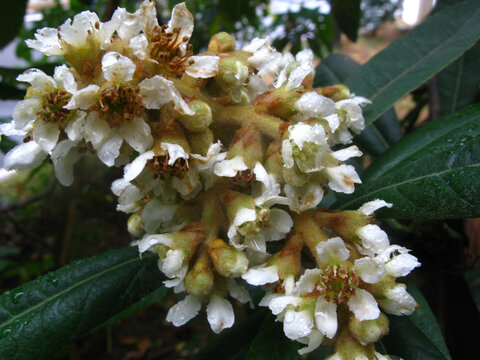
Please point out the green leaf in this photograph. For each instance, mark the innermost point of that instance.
(347, 16)
(431, 173)
(39, 317)
(458, 83)
(11, 18)
(417, 56)
(416, 337)
(156, 296)
(271, 343)
(233, 343)
(376, 138)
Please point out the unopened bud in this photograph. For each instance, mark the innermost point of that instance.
(235, 201)
(336, 92)
(247, 143)
(344, 223)
(348, 348)
(228, 261)
(202, 118)
(199, 280)
(188, 239)
(368, 331)
(221, 42)
(135, 225)
(231, 72)
(200, 142)
(279, 102)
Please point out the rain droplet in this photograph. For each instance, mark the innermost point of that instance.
(16, 298)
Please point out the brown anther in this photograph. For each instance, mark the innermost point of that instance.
(244, 177)
(161, 167)
(53, 110)
(27, 138)
(97, 25)
(119, 104)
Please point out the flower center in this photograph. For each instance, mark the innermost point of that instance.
(244, 177)
(337, 284)
(160, 166)
(166, 49)
(53, 110)
(119, 103)
(250, 228)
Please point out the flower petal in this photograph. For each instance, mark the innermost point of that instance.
(332, 250)
(24, 156)
(398, 301)
(46, 135)
(203, 67)
(370, 207)
(363, 305)
(326, 317)
(64, 156)
(110, 149)
(132, 170)
(137, 134)
(117, 67)
(220, 314)
(183, 311)
(371, 270)
(297, 324)
(374, 239)
(261, 275)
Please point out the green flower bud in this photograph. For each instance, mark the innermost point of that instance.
(349, 349)
(200, 142)
(135, 225)
(188, 239)
(199, 280)
(368, 331)
(221, 42)
(247, 143)
(231, 72)
(228, 261)
(336, 92)
(279, 102)
(201, 120)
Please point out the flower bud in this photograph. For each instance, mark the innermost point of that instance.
(336, 92)
(135, 225)
(231, 72)
(221, 42)
(235, 201)
(228, 261)
(171, 132)
(347, 348)
(200, 142)
(247, 143)
(199, 280)
(368, 331)
(288, 260)
(188, 239)
(279, 102)
(344, 223)
(202, 118)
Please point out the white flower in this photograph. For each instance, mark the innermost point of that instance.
(205, 165)
(306, 147)
(302, 198)
(128, 195)
(313, 105)
(252, 228)
(266, 191)
(264, 58)
(350, 115)
(295, 70)
(107, 130)
(86, 27)
(174, 40)
(398, 301)
(342, 178)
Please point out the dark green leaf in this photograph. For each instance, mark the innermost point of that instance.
(376, 138)
(416, 337)
(156, 296)
(347, 15)
(271, 343)
(11, 18)
(233, 342)
(417, 56)
(431, 173)
(39, 317)
(458, 83)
